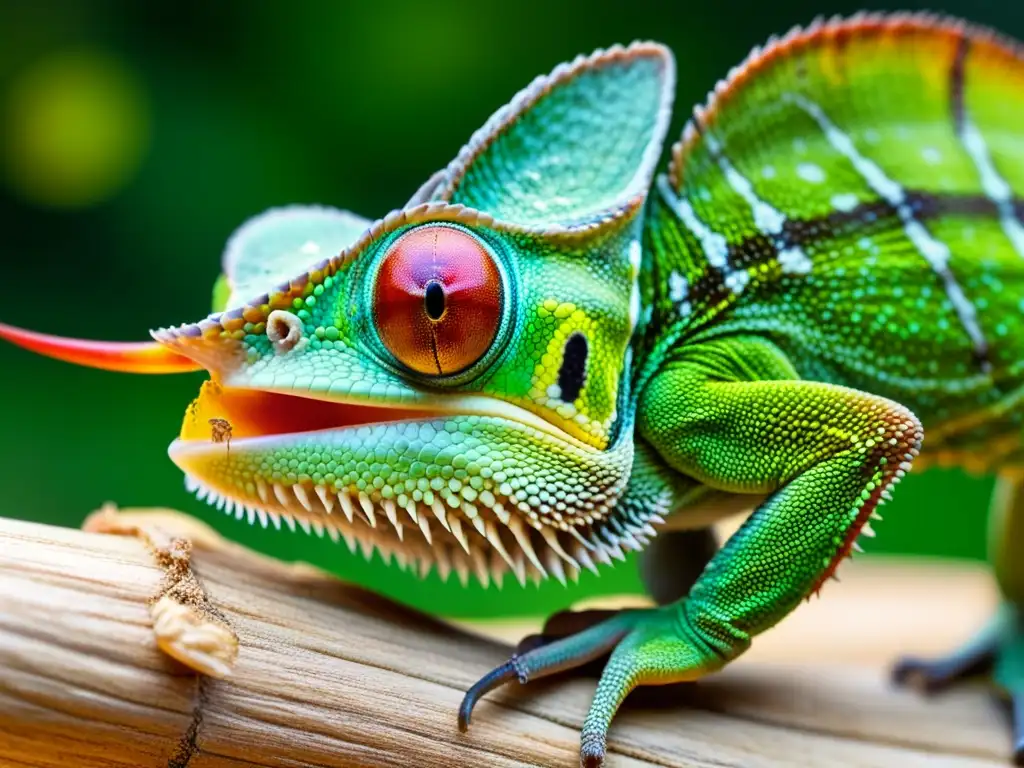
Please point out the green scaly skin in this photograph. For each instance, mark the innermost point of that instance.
(832, 267)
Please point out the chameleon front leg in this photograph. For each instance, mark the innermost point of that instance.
(669, 567)
(733, 415)
(975, 657)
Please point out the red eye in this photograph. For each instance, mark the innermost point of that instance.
(437, 300)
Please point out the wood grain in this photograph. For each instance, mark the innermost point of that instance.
(327, 674)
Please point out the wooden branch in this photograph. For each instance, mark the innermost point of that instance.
(326, 674)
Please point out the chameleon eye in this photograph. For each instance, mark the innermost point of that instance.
(437, 300)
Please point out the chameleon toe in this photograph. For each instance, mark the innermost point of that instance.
(935, 675)
(564, 624)
(560, 625)
(493, 679)
(549, 658)
(646, 647)
(995, 654)
(592, 752)
(974, 657)
(531, 642)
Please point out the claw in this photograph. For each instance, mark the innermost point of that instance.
(493, 679)
(550, 657)
(646, 646)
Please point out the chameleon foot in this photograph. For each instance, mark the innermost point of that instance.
(976, 657)
(540, 656)
(997, 651)
(651, 646)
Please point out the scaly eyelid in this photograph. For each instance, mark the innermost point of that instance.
(374, 338)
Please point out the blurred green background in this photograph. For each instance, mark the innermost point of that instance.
(135, 136)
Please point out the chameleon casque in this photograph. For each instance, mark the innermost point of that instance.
(554, 354)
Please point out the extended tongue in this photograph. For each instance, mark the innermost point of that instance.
(125, 356)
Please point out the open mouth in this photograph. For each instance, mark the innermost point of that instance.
(477, 494)
(220, 414)
(237, 447)
(470, 484)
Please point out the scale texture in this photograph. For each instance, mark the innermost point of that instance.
(560, 351)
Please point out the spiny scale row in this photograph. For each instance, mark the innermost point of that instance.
(884, 495)
(817, 32)
(631, 198)
(486, 542)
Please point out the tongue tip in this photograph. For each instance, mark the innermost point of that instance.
(126, 357)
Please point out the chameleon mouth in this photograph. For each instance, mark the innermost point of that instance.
(222, 414)
(538, 502)
(413, 485)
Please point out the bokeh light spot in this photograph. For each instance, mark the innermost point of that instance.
(76, 128)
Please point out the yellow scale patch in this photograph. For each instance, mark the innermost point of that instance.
(583, 417)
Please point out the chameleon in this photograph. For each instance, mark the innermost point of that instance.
(563, 349)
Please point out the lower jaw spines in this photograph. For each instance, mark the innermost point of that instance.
(484, 540)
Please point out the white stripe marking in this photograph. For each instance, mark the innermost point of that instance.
(810, 173)
(738, 280)
(845, 202)
(767, 218)
(678, 288)
(714, 244)
(934, 251)
(794, 261)
(635, 256)
(995, 186)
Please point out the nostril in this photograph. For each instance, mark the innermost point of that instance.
(284, 330)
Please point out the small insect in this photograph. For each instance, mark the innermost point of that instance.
(221, 432)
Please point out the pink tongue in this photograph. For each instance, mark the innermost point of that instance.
(125, 356)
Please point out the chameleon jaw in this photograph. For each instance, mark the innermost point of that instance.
(472, 494)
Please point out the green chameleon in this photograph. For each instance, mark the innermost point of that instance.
(552, 356)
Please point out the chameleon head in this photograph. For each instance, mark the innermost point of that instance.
(449, 384)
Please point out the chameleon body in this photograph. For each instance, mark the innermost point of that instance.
(554, 354)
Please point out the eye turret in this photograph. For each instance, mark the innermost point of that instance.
(437, 300)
